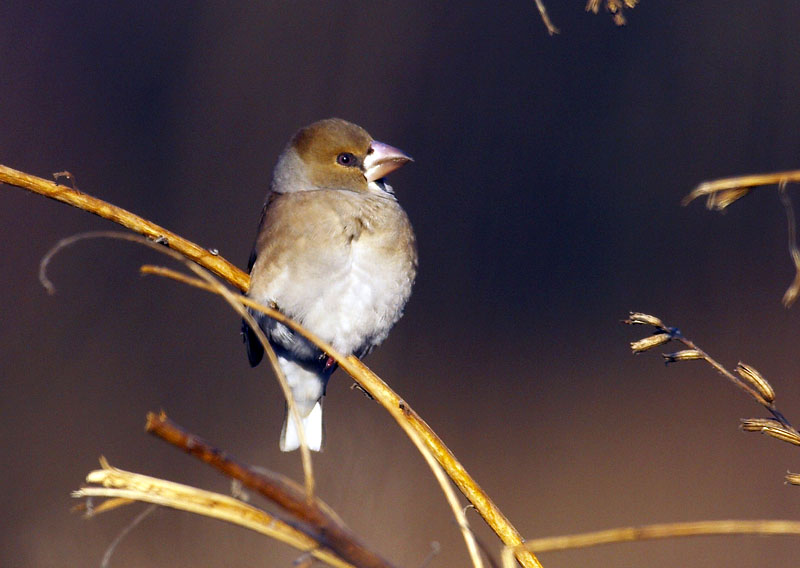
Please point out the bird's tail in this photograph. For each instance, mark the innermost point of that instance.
(312, 426)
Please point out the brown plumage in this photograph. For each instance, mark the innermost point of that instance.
(334, 251)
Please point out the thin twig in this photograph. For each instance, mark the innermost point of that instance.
(404, 415)
(667, 530)
(551, 29)
(720, 193)
(438, 472)
(213, 262)
(749, 379)
(104, 563)
(794, 288)
(724, 191)
(122, 486)
(227, 271)
(214, 285)
(328, 528)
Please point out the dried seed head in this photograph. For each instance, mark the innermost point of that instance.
(754, 378)
(782, 433)
(758, 424)
(793, 478)
(639, 318)
(650, 342)
(685, 355)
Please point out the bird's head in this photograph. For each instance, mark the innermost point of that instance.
(335, 154)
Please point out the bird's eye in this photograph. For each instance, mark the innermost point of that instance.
(345, 159)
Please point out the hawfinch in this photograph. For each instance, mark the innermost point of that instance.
(335, 252)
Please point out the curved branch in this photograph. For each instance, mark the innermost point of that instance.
(327, 528)
(666, 530)
(399, 409)
(71, 196)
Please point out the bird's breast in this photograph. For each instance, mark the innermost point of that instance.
(350, 275)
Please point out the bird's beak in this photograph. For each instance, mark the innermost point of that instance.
(383, 159)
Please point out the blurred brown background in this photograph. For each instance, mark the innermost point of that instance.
(546, 199)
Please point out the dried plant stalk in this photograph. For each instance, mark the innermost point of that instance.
(720, 193)
(416, 438)
(551, 29)
(122, 485)
(212, 262)
(668, 530)
(750, 382)
(214, 285)
(498, 522)
(329, 530)
(749, 379)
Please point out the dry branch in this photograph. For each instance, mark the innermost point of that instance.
(667, 530)
(205, 258)
(325, 526)
(748, 380)
(551, 29)
(364, 379)
(400, 410)
(120, 486)
(213, 284)
(720, 193)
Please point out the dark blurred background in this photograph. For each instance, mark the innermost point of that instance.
(546, 198)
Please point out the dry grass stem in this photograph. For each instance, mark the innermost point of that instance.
(694, 352)
(551, 29)
(410, 420)
(668, 530)
(793, 290)
(749, 379)
(412, 424)
(135, 522)
(117, 484)
(413, 433)
(205, 258)
(327, 529)
(213, 285)
(236, 277)
(721, 193)
(458, 512)
(89, 509)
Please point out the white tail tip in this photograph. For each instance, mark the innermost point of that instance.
(312, 426)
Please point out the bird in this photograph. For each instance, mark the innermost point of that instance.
(335, 252)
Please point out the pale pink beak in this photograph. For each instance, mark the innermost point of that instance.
(382, 160)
